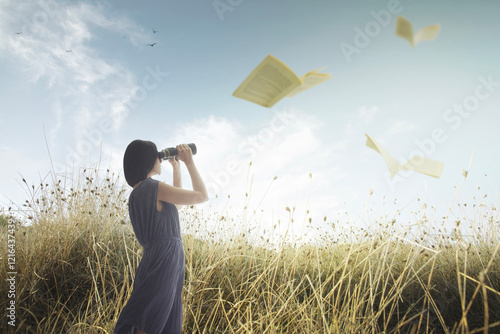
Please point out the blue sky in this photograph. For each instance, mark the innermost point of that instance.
(86, 105)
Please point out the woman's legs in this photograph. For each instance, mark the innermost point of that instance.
(174, 321)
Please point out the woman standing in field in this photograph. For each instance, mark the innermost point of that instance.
(155, 305)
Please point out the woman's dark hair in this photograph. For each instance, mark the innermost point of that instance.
(139, 159)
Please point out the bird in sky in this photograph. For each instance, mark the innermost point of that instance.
(153, 44)
(68, 50)
(18, 33)
(155, 31)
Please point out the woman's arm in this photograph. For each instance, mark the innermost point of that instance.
(179, 196)
(176, 166)
(177, 179)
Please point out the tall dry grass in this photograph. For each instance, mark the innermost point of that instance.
(77, 258)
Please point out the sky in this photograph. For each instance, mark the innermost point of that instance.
(80, 81)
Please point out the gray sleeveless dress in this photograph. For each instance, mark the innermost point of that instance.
(155, 305)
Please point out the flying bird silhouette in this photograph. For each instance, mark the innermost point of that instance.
(68, 50)
(18, 33)
(153, 44)
(155, 31)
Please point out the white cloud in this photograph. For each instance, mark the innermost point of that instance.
(215, 138)
(358, 120)
(366, 114)
(401, 126)
(54, 50)
(288, 145)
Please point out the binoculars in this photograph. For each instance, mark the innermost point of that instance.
(169, 152)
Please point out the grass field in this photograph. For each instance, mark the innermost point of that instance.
(76, 260)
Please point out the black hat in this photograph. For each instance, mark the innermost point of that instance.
(139, 159)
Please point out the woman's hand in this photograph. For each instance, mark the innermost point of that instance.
(174, 161)
(184, 153)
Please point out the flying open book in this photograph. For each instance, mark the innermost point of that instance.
(272, 80)
(419, 164)
(404, 29)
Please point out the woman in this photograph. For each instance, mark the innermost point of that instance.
(155, 305)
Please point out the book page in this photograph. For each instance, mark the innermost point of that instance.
(404, 29)
(418, 164)
(425, 166)
(268, 83)
(393, 165)
(309, 80)
(426, 34)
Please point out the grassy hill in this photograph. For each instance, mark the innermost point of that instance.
(76, 255)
